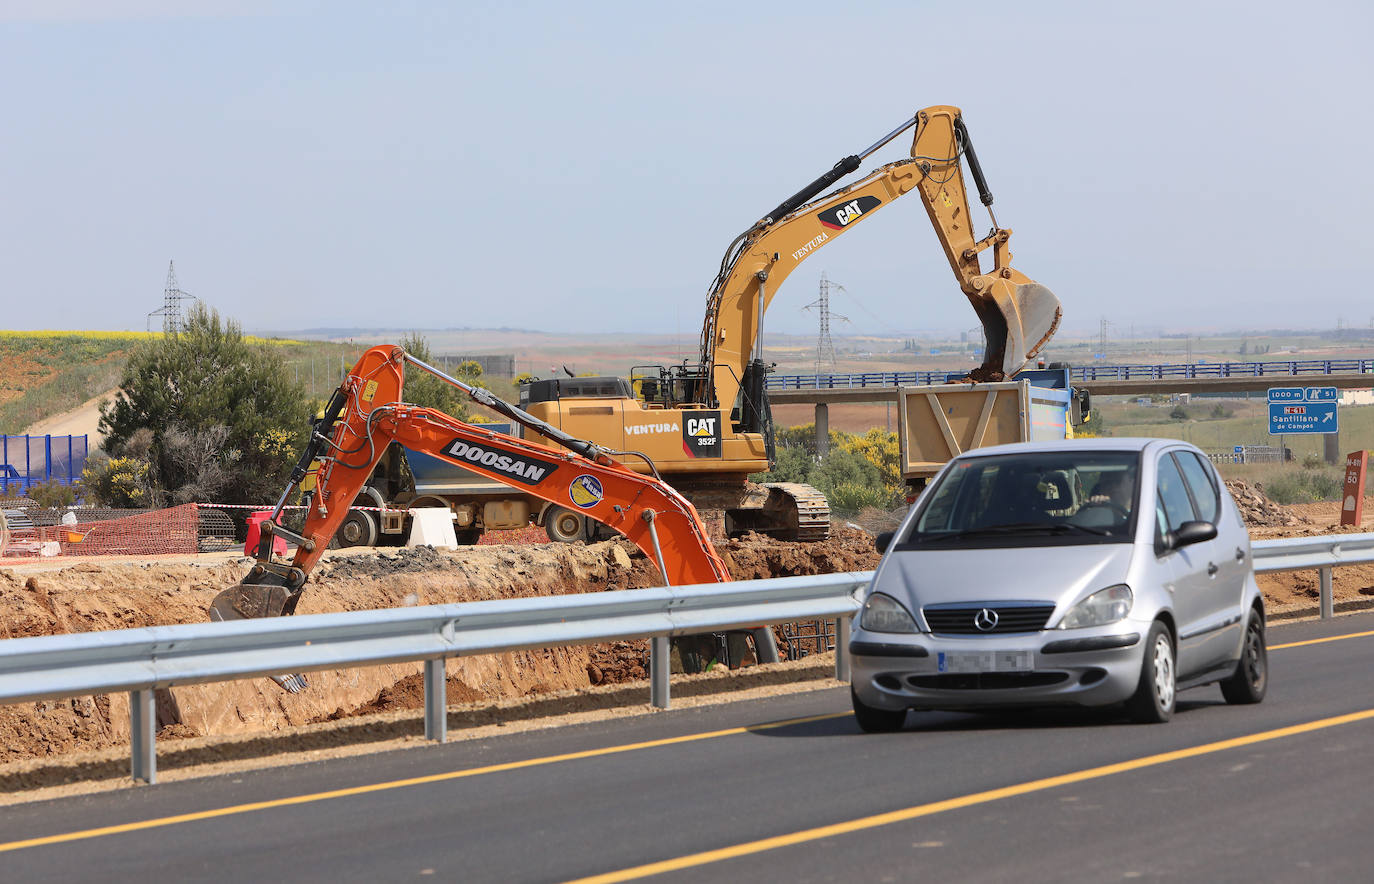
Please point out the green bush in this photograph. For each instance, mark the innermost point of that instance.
(848, 498)
(119, 482)
(1305, 486)
(53, 494)
(232, 405)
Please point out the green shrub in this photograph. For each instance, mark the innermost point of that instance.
(1305, 486)
(53, 494)
(209, 383)
(119, 482)
(848, 498)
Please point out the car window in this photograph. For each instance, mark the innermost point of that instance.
(1199, 480)
(1174, 507)
(1030, 499)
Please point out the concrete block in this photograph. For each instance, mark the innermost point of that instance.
(432, 526)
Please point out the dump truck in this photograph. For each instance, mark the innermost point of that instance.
(938, 421)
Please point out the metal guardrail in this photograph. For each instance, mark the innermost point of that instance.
(1289, 368)
(1322, 552)
(142, 660)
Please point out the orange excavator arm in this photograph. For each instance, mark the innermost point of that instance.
(367, 414)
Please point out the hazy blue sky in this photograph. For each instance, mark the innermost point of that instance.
(583, 166)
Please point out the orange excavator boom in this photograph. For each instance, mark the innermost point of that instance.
(367, 414)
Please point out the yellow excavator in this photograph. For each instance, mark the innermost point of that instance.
(707, 426)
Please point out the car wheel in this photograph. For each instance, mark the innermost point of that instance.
(1251, 677)
(1153, 701)
(876, 721)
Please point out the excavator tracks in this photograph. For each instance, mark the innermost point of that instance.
(812, 510)
(785, 510)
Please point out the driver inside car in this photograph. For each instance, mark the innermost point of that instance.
(1113, 488)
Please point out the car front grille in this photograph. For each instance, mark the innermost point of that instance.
(965, 620)
(986, 681)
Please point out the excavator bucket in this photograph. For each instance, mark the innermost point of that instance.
(246, 601)
(1018, 319)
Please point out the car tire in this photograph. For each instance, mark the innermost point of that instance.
(1157, 690)
(876, 721)
(1251, 677)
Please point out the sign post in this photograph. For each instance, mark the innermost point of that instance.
(1352, 494)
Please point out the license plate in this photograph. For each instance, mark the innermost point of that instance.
(986, 661)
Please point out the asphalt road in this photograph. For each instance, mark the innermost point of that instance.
(787, 789)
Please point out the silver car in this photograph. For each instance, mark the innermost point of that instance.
(1087, 572)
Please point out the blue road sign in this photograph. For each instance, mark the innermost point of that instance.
(1302, 417)
(1239, 449)
(1304, 394)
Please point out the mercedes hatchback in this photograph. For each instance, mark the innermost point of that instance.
(1088, 572)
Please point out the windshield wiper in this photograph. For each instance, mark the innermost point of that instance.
(1015, 528)
(989, 530)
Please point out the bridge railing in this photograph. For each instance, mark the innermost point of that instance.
(1187, 371)
(142, 660)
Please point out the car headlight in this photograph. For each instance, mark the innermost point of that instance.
(883, 613)
(1102, 607)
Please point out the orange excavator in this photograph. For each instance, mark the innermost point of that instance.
(367, 413)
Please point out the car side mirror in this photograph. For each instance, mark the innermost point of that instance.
(1192, 532)
(883, 541)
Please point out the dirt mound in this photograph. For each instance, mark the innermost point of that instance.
(1258, 510)
(756, 556)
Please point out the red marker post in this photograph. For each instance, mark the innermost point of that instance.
(1352, 495)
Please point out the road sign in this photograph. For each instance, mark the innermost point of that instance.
(1303, 410)
(1307, 417)
(1304, 394)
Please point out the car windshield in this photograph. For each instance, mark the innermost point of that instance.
(1031, 499)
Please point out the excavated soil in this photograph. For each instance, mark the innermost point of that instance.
(45, 599)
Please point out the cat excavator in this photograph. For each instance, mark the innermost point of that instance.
(367, 413)
(707, 426)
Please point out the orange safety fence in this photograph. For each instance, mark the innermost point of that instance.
(157, 532)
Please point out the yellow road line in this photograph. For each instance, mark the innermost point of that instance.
(401, 784)
(1321, 641)
(920, 810)
(513, 765)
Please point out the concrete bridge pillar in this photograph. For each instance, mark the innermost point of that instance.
(822, 429)
(1331, 448)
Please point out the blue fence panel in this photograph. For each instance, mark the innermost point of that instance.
(31, 460)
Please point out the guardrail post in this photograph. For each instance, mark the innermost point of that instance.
(143, 736)
(842, 649)
(436, 701)
(1328, 608)
(658, 672)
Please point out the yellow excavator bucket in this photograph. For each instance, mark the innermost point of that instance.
(1018, 319)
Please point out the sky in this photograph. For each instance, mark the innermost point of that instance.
(582, 167)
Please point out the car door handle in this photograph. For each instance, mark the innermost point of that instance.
(1240, 554)
(1212, 569)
